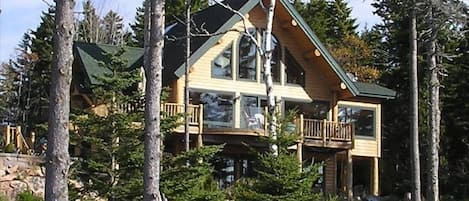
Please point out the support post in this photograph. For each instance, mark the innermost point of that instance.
(200, 141)
(299, 145)
(349, 176)
(375, 176)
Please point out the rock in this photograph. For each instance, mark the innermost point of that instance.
(11, 170)
(9, 177)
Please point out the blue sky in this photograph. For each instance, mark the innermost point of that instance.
(18, 16)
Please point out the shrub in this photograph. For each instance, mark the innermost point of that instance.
(27, 195)
(10, 148)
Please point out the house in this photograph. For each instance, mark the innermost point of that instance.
(339, 119)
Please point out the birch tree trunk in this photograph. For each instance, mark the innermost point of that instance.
(268, 74)
(153, 74)
(434, 112)
(414, 130)
(58, 158)
(186, 75)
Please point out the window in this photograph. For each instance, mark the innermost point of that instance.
(221, 66)
(218, 109)
(313, 110)
(252, 112)
(294, 73)
(363, 118)
(276, 58)
(247, 58)
(228, 169)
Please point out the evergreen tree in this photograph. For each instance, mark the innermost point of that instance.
(342, 23)
(39, 80)
(89, 28)
(278, 177)
(189, 176)
(316, 15)
(112, 26)
(10, 80)
(173, 9)
(112, 155)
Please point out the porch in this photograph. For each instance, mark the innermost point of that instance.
(312, 132)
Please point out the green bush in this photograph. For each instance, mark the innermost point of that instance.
(27, 195)
(3, 198)
(10, 148)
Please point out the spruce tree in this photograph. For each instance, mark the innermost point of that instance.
(278, 177)
(316, 16)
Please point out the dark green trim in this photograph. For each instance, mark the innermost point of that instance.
(322, 49)
(213, 40)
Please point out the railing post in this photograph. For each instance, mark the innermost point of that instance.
(266, 117)
(324, 131)
(200, 141)
(8, 135)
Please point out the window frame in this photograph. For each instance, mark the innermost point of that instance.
(297, 64)
(374, 120)
(255, 32)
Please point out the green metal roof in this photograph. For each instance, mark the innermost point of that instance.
(374, 90)
(91, 54)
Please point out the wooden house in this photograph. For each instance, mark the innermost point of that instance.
(339, 119)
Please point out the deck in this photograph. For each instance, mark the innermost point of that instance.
(313, 132)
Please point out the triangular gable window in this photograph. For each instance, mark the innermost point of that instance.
(221, 66)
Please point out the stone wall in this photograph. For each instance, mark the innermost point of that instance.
(19, 173)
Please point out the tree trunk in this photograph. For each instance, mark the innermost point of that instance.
(186, 75)
(434, 112)
(414, 130)
(58, 159)
(268, 74)
(153, 74)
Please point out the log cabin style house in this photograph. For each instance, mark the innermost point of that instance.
(339, 119)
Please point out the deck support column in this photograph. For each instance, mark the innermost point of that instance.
(299, 145)
(349, 176)
(200, 141)
(374, 176)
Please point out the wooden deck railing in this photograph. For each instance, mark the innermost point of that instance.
(327, 130)
(13, 135)
(195, 112)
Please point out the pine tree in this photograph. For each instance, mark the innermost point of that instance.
(112, 155)
(342, 23)
(277, 177)
(112, 26)
(89, 28)
(316, 16)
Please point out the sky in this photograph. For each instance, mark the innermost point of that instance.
(19, 16)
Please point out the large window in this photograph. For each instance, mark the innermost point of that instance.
(252, 112)
(247, 57)
(313, 110)
(218, 109)
(276, 58)
(294, 73)
(221, 66)
(364, 119)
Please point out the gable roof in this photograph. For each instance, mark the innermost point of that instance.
(216, 19)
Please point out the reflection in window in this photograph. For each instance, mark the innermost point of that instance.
(313, 110)
(221, 66)
(294, 73)
(218, 109)
(363, 119)
(247, 58)
(276, 58)
(252, 112)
